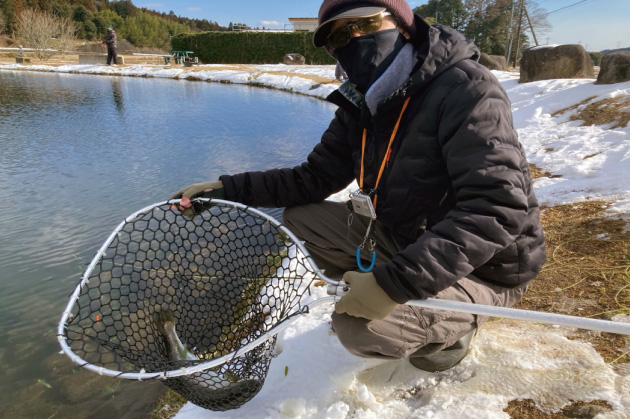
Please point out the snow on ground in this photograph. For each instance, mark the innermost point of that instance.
(508, 360)
(589, 162)
(255, 74)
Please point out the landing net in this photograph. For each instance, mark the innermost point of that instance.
(224, 280)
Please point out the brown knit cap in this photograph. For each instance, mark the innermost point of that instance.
(330, 9)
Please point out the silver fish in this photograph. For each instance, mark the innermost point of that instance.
(178, 351)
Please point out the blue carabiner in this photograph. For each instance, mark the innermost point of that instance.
(361, 265)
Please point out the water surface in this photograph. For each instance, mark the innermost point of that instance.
(79, 154)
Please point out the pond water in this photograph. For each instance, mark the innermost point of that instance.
(79, 154)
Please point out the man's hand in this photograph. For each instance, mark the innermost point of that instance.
(197, 190)
(366, 298)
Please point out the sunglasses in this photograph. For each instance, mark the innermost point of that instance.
(364, 26)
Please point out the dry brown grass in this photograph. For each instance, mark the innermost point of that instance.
(525, 409)
(613, 111)
(587, 274)
(587, 271)
(537, 172)
(169, 404)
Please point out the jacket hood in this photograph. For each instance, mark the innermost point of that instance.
(438, 48)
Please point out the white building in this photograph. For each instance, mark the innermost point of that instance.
(303, 23)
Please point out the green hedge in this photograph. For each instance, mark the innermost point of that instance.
(596, 57)
(250, 47)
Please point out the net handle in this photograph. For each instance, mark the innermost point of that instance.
(508, 313)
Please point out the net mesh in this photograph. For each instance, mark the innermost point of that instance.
(171, 292)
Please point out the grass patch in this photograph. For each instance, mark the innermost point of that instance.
(613, 111)
(537, 172)
(587, 274)
(526, 409)
(587, 271)
(168, 405)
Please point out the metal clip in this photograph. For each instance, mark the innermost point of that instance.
(367, 239)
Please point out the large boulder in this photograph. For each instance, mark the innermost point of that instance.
(556, 62)
(293, 59)
(615, 68)
(493, 62)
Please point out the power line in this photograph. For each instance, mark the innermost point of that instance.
(567, 7)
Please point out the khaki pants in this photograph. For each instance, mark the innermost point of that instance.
(407, 331)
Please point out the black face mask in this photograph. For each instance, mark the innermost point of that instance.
(365, 58)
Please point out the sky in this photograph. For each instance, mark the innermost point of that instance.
(596, 24)
(314, 377)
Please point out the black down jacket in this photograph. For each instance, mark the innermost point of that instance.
(456, 191)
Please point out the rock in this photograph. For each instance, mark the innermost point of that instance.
(556, 62)
(493, 62)
(615, 68)
(293, 59)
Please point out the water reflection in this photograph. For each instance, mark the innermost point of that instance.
(79, 154)
(118, 97)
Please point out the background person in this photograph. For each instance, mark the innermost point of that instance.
(110, 42)
(427, 132)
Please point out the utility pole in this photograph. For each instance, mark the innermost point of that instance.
(531, 28)
(518, 37)
(510, 37)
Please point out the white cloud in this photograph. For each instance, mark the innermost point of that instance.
(270, 23)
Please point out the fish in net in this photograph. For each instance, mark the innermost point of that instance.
(193, 302)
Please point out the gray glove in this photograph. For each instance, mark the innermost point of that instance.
(366, 298)
(197, 190)
(201, 190)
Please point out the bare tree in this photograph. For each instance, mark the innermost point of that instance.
(2, 24)
(66, 36)
(45, 33)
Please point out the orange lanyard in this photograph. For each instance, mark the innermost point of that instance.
(387, 154)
